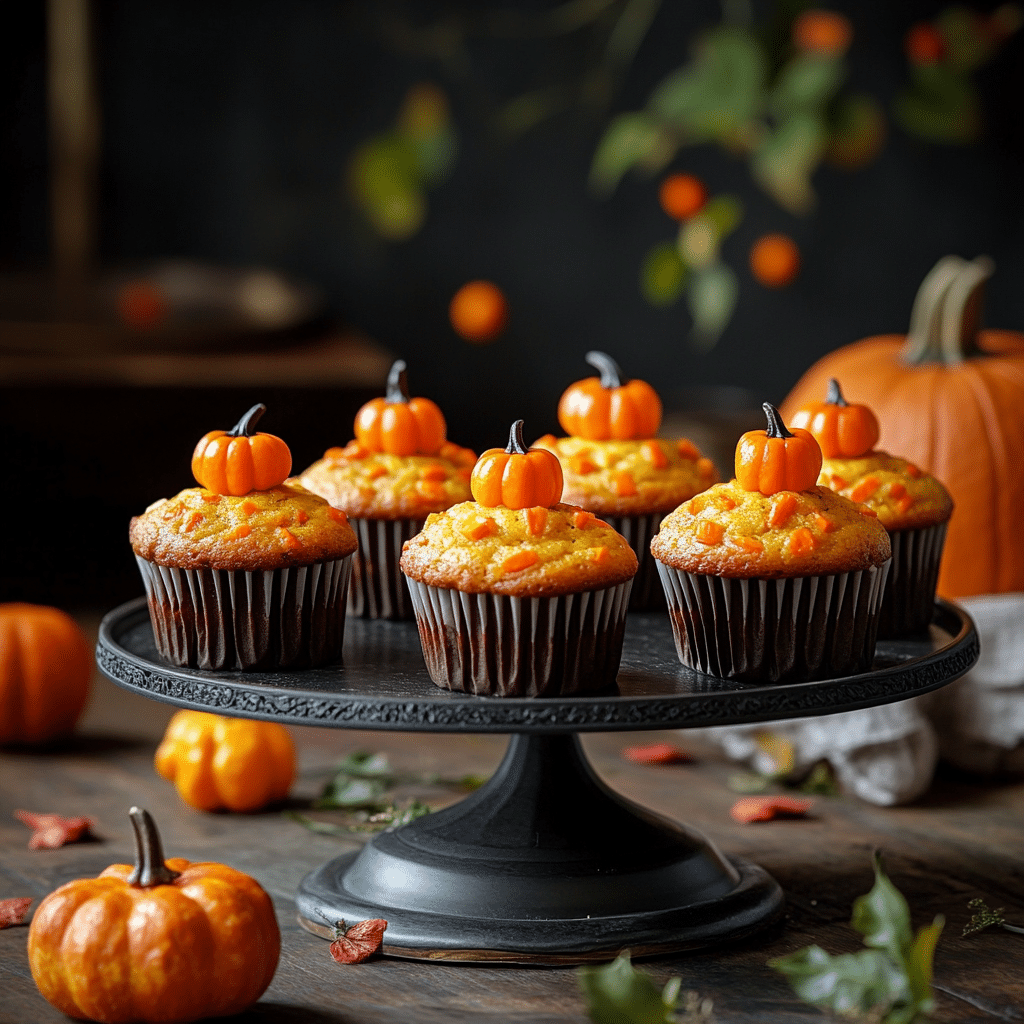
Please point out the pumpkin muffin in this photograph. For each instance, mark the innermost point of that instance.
(397, 470)
(516, 593)
(769, 577)
(614, 466)
(249, 571)
(912, 505)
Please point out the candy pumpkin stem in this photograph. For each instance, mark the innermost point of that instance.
(835, 394)
(946, 317)
(611, 375)
(245, 426)
(150, 868)
(398, 383)
(516, 445)
(776, 428)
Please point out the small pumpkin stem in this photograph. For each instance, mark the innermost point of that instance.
(398, 384)
(611, 375)
(150, 868)
(516, 445)
(776, 428)
(245, 426)
(835, 394)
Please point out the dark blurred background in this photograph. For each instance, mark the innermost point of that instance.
(264, 139)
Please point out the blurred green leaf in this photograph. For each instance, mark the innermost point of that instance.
(883, 917)
(381, 166)
(711, 296)
(662, 275)
(618, 993)
(919, 963)
(365, 764)
(435, 155)
(724, 213)
(940, 105)
(698, 241)
(967, 41)
(806, 82)
(351, 794)
(629, 140)
(787, 157)
(856, 131)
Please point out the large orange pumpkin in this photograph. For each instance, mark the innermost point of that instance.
(174, 941)
(950, 398)
(45, 673)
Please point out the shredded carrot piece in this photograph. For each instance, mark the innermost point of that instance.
(783, 506)
(705, 467)
(536, 519)
(519, 561)
(726, 503)
(285, 519)
(435, 471)
(837, 482)
(896, 490)
(211, 499)
(582, 464)
(687, 449)
(193, 521)
(477, 529)
(289, 539)
(248, 507)
(625, 485)
(710, 532)
(865, 488)
(912, 471)
(867, 510)
(824, 523)
(376, 472)
(174, 511)
(654, 454)
(581, 518)
(431, 490)
(598, 555)
(749, 544)
(240, 531)
(337, 515)
(802, 542)
(905, 502)
(302, 516)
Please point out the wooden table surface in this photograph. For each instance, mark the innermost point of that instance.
(964, 839)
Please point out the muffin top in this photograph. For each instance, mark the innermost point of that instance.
(518, 552)
(270, 529)
(629, 477)
(380, 485)
(743, 534)
(903, 496)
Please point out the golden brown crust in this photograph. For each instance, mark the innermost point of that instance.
(377, 485)
(568, 551)
(727, 531)
(262, 530)
(903, 496)
(626, 478)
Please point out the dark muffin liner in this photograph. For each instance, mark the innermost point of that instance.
(250, 621)
(775, 631)
(647, 594)
(488, 644)
(378, 589)
(909, 598)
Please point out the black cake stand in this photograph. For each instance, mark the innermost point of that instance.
(544, 863)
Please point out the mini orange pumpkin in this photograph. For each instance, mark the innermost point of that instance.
(237, 461)
(777, 459)
(843, 431)
(517, 476)
(398, 424)
(603, 408)
(45, 673)
(226, 763)
(161, 941)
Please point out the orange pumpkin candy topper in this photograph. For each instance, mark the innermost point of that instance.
(398, 424)
(238, 461)
(843, 431)
(777, 459)
(603, 408)
(517, 476)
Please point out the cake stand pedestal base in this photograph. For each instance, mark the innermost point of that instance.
(543, 864)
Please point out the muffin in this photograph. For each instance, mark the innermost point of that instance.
(517, 594)
(614, 466)
(397, 470)
(248, 571)
(912, 505)
(770, 578)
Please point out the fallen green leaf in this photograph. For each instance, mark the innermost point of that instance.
(617, 993)
(883, 917)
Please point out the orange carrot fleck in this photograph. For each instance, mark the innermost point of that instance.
(905, 502)
(865, 488)
(625, 485)
(477, 529)
(337, 515)
(435, 471)
(289, 539)
(837, 483)
(802, 542)
(174, 510)
(765, 808)
(824, 523)
(211, 499)
(687, 449)
(431, 490)
(710, 532)
(706, 468)
(302, 516)
(376, 472)
(912, 471)
(896, 490)
(749, 544)
(240, 531)
(248, 507)
(193, 521)
(726, 503)
(582, 464)
(519, 561)
(598, 555)
(867, 510)
(536, 519)
(783, 506)
(654, 454)
(581, 518)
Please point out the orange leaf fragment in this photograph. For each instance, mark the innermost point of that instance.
(519, 561)
(358, 943)
(710, 532)
(654, 454)
(51, 831)
(687, 449)
(477, 529)
(658, 753)
(14, 909)
(767, 808)
(625, 485)
(536, 519)
(865, 488)
(783, 506)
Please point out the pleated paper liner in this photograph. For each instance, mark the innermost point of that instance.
(647, 594)
(489, 644)
(250, 621)
(378, 589)
(909, 598)
(775, 631)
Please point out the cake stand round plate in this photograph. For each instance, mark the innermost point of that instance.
(544, 863)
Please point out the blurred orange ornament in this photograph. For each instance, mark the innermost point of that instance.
(774, 260)
(822, 32)
(682, 195)
(924, 44)
(141, 304)
(478, 311)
